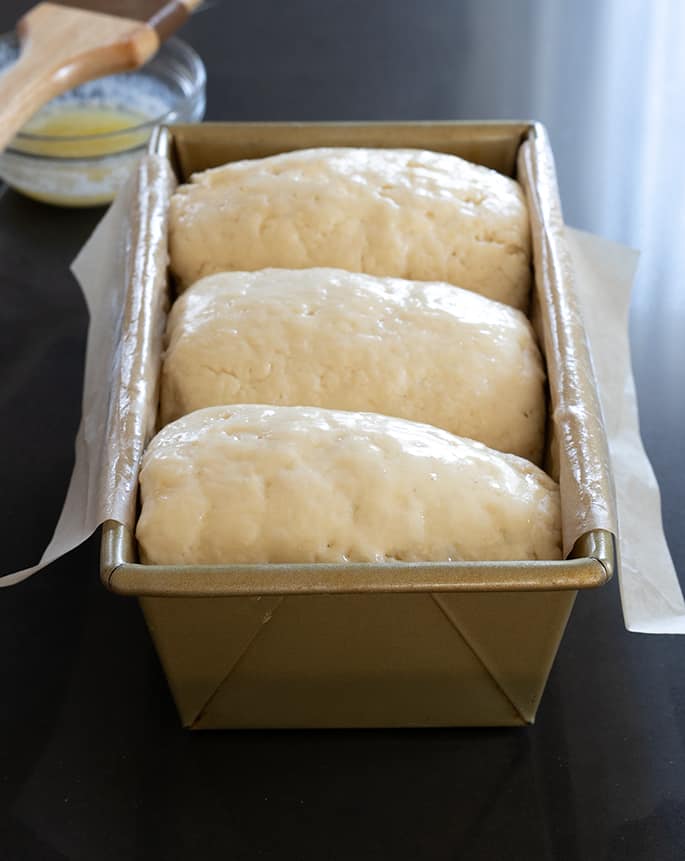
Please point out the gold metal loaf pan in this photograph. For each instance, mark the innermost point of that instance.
(392, 644)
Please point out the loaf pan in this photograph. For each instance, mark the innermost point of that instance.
(367, 645)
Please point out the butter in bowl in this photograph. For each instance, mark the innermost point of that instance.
(79, 148)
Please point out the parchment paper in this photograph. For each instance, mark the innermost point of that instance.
(104, 268)
(650, 594)
(651, 597)
(100, 270)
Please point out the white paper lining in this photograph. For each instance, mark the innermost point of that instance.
(100, 269)
(650, 593)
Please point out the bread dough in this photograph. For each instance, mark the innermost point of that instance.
(331, 338)
(408, 213)
(253, 483)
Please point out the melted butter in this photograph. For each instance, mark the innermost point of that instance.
(74, 129)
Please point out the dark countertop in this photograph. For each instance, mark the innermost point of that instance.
(93, 762)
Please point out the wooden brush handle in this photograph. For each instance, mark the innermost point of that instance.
(165, 16)
(62, 47)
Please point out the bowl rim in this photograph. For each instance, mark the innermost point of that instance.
(197, 79)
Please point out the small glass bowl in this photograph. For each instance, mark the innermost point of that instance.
(87, 169)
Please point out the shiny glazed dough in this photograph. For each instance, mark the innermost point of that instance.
(253, 483)
(331, 338)
(408, 213)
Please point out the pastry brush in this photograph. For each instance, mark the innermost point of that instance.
(66, 43)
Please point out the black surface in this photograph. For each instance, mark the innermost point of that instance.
(93, 762)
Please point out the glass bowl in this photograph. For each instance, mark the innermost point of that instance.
(80, 147)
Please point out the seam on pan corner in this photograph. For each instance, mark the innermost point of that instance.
(266, 618)
(110, 576)
(482, 661)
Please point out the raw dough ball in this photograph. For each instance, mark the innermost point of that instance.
(331, 338)
(252, 483)
(409, 213)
